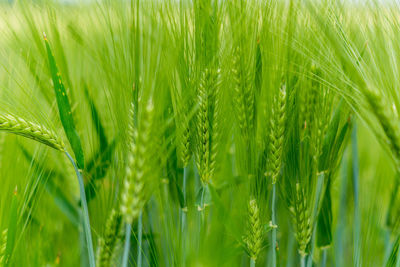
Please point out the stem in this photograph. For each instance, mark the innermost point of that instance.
(125, 256)
(324, 257)
(302, 261)
(183, 218)
(357, 239)
(252, 263)
(273, 221)
(290, 250)
(183, 214)
(85, 213)
(202, 211)
(140, 234)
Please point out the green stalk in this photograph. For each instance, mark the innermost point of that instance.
(290, 250)
(183, 214)
(140, 235)
(324, 257)
(183, 218)
(357, 258)
(85, 213)
(125, 256)
(252, 263)
(302, 261)
(273, 221)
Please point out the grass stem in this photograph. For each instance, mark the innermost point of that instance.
(85, 213)
(273, 220)
(140, 237)
(357, 229)
(252, 263)
(324, 257)
(303, 261)
(125, 257)
(183, 214)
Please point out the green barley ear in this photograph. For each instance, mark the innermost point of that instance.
(138, 165)
(277, 129)
(302, 220)
(19, 126)
(208, 128)
(109, 241)
(253, 239)
(244, 96)
(389, 123)
(3, 246)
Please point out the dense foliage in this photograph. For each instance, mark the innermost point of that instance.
(199, 133)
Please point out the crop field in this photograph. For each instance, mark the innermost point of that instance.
(199, 133)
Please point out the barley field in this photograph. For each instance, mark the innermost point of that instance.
(200, 133)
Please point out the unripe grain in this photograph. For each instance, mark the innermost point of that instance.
(253, 239)
(30, 130)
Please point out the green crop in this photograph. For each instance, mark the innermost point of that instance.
(199, 133)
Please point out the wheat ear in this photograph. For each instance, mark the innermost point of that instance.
(244, 98)
(302, 221)
(208, 127)
(137, 168)
(30, 130)
(389, 123)
(277, 129)
(253, 239)
(109, 241)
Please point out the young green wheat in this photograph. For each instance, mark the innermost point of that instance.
(20, 126)
(108, 242)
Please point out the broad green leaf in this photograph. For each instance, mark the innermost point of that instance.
(64, 109)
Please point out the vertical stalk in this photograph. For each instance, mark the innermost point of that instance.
(290, 249)
(357, 259)
(183, 214)
(125, 257)
(273, 221)
(303, 261)
(140, 235)
(85, 213)
(324, 257)
(183, 218)
(252, 263)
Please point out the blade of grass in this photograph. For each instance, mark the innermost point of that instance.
(64, 109)
(85, 213)
(357, 222)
